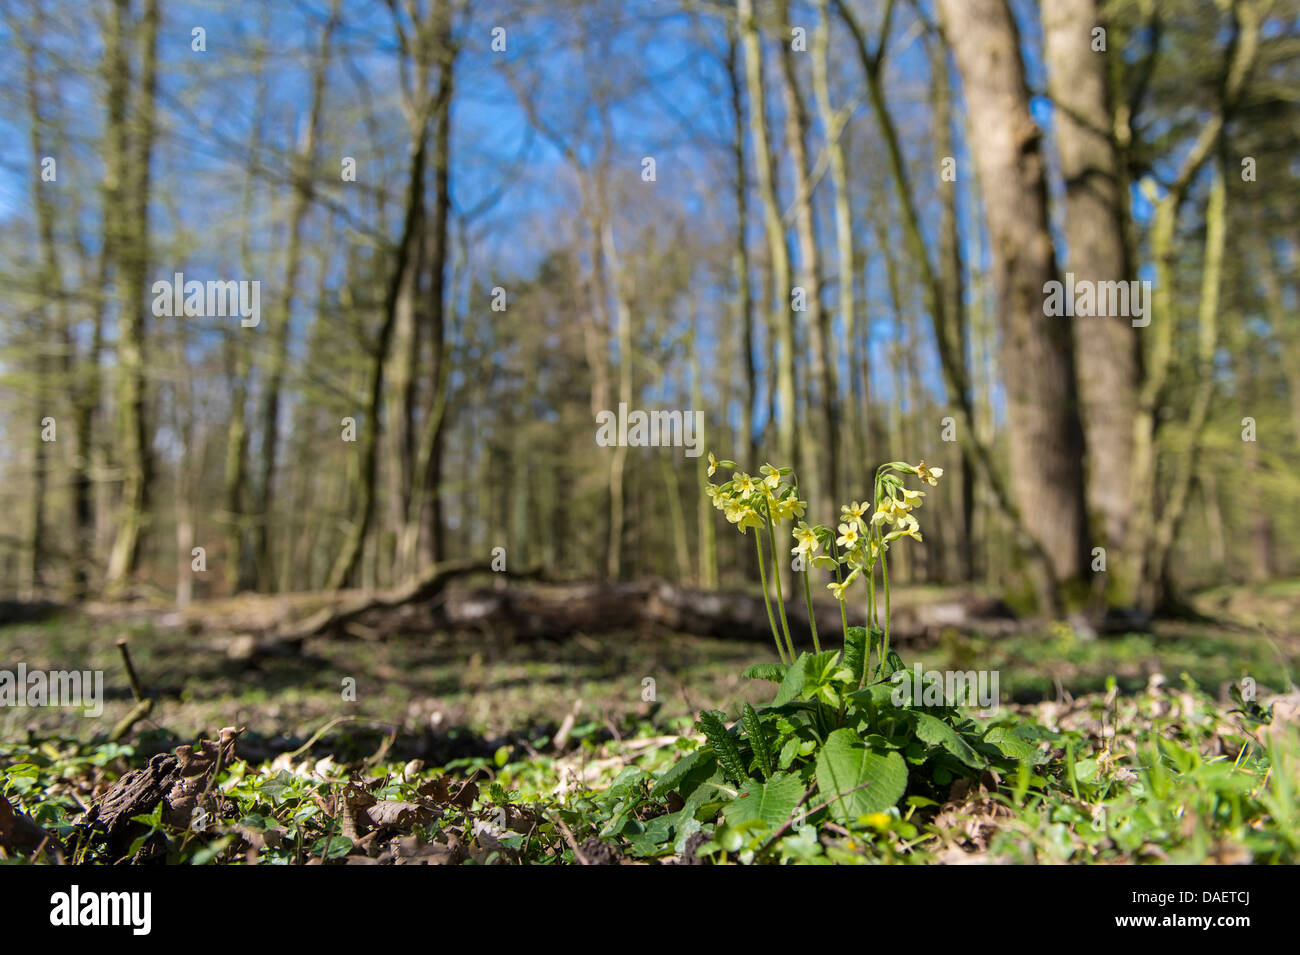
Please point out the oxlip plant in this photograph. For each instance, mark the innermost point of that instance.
(841, 744)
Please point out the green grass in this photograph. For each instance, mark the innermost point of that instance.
(1137, 757)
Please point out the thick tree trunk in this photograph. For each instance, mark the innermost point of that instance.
(1106, 348)
(977, 446)
(1046, 437)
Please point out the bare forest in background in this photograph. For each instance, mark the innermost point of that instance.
(828, 226)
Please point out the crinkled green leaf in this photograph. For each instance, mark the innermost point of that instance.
(773, 672)
(758, 740)
(855, 652)
(724, 746)
(772, 801)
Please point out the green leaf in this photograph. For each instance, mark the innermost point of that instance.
(773, 672)
(795, 678)
(893, 663)
(772, 801)
(684, 771)
(855, 652)
(332, 847)
(844, 765)
(724, 746)
(936, 732)
(758, 741)
(1010, 744)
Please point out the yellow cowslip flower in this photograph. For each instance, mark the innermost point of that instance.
(807, 540)
(713, 464)
(911, 499)
(908, 527)
(929, 475)
(744, 483)
(885, 511)
(853, 512)
(771, 476)
(839, 587)
(742, 515)
(848, 535)
(865, 554)
(789, 507)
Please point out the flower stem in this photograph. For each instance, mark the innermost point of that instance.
(762, 575)
(776, 576)
(812, 619)
(884, 577)
(844, 617)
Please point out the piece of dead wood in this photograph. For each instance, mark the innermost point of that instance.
(428, 587)
(181, 782)
(21, 835)
(552, 611)
(143, 703)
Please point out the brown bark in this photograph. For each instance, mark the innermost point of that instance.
(1046, 438)
(1106, 348)
(429, 460)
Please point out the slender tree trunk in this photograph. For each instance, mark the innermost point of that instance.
(952, 273)
(429, 501)
(1159, 355)
(303, 161)
(401, 283)
(623, 333)
(778, 253)
(740, 261)
(1207, 344)
(833, 123)
(51, 290)
(132, 263)
(819, 458)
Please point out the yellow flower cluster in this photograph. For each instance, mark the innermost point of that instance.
(858, 542)
(747, 501)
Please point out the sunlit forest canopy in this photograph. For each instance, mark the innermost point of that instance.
(469, 228)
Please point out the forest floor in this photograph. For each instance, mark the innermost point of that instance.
(556, 730)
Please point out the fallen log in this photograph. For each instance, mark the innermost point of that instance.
(542, 610)
(557, 610)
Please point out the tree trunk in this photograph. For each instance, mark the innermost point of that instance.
(428, 501)
(1106, 348)
(1046, 437)
(132, 156)
(778, 253)
(270, 417)
(744, 297)
(819, 457)
(401, 283)
(852, 456)
(951, 362)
